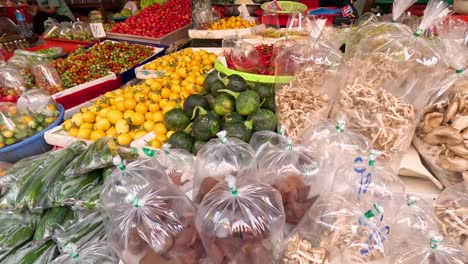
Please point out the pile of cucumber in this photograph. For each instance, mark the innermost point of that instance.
(50, 201)
(226, 103)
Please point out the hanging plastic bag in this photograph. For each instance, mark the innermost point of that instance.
(263, 141)
(94, 251)
(450, 211)
(426, 248)
(81, 31)
(336, 146)
(306, 76)
(178, 164)
(294, 171)
(241, 221)
(218, 158)
(52, 28)
(382, 96)
(11, 82)
(340, 229)
(368, 30)
(16, 229)
(47, 77)
(147, 218)
(439, 137)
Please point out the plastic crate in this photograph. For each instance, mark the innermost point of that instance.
(34, 145)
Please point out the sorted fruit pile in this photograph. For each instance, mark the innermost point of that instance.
(85, 65)
(228, 104)
(16, 126)
(234, 22)
(130, 113)
(157, 20)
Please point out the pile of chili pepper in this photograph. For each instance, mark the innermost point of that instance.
(264, 66)
(267, 67)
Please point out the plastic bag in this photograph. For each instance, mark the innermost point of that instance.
(336, 146)
(58, 218)
(340, 229)
(450, 211)
(426, 248)
(382, 96)
(82, 31)
(306, 76)
(294, 171)
(367, 177)
(94, 251)
(52, 28)
(244, 57)
(263, 141)
(47, 77)
(439, 135)
(241, 222)
(218, 158)
(33, 254)
(66, 30)
(16, 229)
(11, 82)
(148, 219)
(24, 65)
(178, 164)
(369, 30)
(38, 102)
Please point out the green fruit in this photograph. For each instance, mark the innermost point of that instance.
(223, 104)
(236, 83)
(176, 119)
(263, 120)
(192, 102)
(206, 125)
(242, 131)
(181, 140)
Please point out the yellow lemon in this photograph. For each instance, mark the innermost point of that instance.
(160, 129)
(97, 134)
(84, 133)
(114, 115)
(102, 124)
(124, 139)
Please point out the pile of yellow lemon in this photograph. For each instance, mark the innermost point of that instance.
(231, 23)
(130, 113)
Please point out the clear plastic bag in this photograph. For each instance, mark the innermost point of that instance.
(148, 219)
(263, 141)
(450, 211)
(66, 30)
(336, 146)
(47, 77)
(427, 247)
(339, 229)
(52, 28)
(306, 75)
(32, 253)
(244, 57)
(16, 229)
(439, 136)
(24, 65)
(38, 102)
(382, 97)
(292, 169)
(94, 251)
(11, 82)
(218, 158)
(241, 221)
(82, 31)
(178, 164)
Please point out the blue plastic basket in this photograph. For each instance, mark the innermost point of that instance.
(34, 145)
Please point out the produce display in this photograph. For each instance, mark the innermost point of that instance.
(234, 22)
(12, 83)
(157, 20)
(47, 77)
(84, 65)
(78, 30)
(259, 61)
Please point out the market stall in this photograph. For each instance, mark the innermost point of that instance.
(306, 144)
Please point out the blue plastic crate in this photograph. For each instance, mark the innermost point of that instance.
(34, 145)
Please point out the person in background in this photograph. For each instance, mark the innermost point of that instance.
(56, 9)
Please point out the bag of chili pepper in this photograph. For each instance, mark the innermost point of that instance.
(47, 77)
(306, 75)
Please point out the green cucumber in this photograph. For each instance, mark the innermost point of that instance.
(50, 220)
(73, 188)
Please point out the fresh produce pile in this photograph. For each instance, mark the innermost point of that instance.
(84, 65)
(234, 22)
(251, 59)
(129, 113)
(157, 20)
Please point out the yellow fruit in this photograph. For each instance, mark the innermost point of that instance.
(148, 116)
(84, 133)
(111, 132)
(155, 97)
(67, 124)
(8, 133)
(158, 116)
(137, 119)
(199, 80)
(156, 86)
(97, 134)
(174, 96)
(89, 117)
(139, 134)
(114, 115)
(155, 143)
(73, 132)
(140, 97)
(102, 124)
(87, 125)
(103, 112)
(83, 109)
(168, 107)
(165, 92)
(128, 95)
(161, 137)
(122, 126)
(130, 104)
(163, 102)
(120, 106)
(141, 108)
(77, 119)
(124, 139)
(153, 108)
(127, 114)
(160, 129)
(148, 125)
(169, 133)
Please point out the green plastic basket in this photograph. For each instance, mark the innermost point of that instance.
(250, 77)
(287, 7)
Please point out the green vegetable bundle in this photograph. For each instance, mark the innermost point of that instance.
(16, 229)
(146, 3)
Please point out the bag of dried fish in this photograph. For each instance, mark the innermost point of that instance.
(306, 75)
(241, 221)
(368, 177)
(293, 170)
(178, 164)
(441, 136)
(339, 229)
(336, 146)
(148, 219)
(383, 26)
(451, 211)
(427, 247)
(263, 141)
(388, 84)
(221, 157)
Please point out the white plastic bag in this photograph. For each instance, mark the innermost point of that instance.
(263, 141)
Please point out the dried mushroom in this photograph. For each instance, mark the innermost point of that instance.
(442, 135)
(453, 220)
(300, 251)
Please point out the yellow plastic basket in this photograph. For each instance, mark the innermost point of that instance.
(288, 7)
